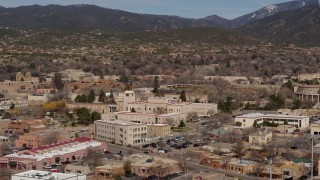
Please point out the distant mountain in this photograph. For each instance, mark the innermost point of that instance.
(300, 26)
(77, 17)
(269, 11)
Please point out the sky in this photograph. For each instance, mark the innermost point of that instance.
(185, 8)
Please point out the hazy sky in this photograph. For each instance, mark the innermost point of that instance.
(185, 8)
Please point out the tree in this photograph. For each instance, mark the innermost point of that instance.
(117, 177)
(12, 106)
(54, 106)
(239, 147)
(124, 78)
(79, 99)
(57, 159)
(127, 167)
(156, 86)
(225, 106)
(83, 116)
(95, 116)
(4, 148)
(288, 85)
(51, 138)
(6, 115)
(57, 81)
(93, 159)
(133, 110)
(197, 100)
(91, 96)
(183, 96)
(102, 96)
(32, 66)
(111, 94)
(84, 98)
(239, 124)
(182, 124)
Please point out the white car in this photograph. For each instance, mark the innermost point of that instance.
(47, 167)
(161, 151)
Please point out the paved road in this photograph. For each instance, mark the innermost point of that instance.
(190, 165)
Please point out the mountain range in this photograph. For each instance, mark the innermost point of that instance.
(285, 22)
(89, 16)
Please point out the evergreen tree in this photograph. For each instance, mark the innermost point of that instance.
(95, 116)
(182, 124)
(12, 106)
(102, 96)
(197, 100)
(83, 98)
(111, 94)
(91, 96)
(127, 167)
(78, 98)
(183, 96)
(156, 86)
(57, 81)
(83, 116)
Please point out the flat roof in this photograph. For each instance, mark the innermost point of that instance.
(120, 122)
(49, 175)
(257, 115)
(151, 161)
(146, 114)
(57, 149)
(158, 124)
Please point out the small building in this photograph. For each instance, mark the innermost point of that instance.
(79, 168)
(260, 138)
(144, 165)
(315, 128)
(4, 139)
(36, 175)
(109, 170)
(215, 161)
(241, 166)
(248, 120)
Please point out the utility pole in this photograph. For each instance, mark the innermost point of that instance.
(311, 158)
(270, 164)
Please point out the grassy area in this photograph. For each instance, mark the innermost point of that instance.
(180, 129)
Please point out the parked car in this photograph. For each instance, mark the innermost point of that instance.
(145, 145)
(47, 167)
(154, 145)
(173, 145)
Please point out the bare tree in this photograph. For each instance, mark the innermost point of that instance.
(239, 149)
(5, 174)
(51, 138)
(93, 158)
(4, 147)
(170, 121)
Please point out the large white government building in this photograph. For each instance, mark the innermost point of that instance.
(247, 120)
